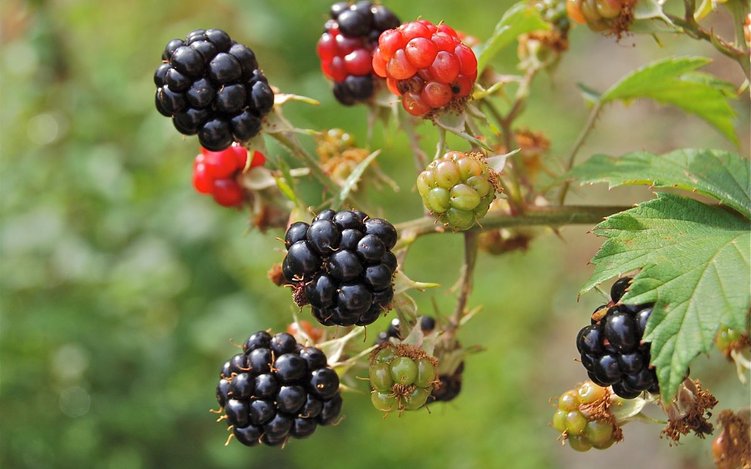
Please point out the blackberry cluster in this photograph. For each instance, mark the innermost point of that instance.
(457, 189)
(611, 348)
(346, 47)
(342, 265)
(602, 15)
(277, 389)
(211, 86)
(427, 325)
(401, 377)
(449, 387)
(427, 65)
(217, 172)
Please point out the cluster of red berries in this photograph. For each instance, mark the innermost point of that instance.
(217, 172)
(426, 64)
(346, 47)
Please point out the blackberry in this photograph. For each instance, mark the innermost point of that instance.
(457, 189)
(346, 48)
(341, 264)
(402, 377)
(427, 325)
(611, 348)
(212, 87)
(449, 387)
(277, 389)
(427, 65)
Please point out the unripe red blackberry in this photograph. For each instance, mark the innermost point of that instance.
(457, 189)
(611, 347)
(342, 265)
(427, 65)
(211, 86)
(276, 389)
(216, 173)
(346, 48)
(402, 377)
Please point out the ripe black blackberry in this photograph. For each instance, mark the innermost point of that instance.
(450, 386)
(342, 265)
(276, 389)
(346, 47)
(211, 86)
(611, 346)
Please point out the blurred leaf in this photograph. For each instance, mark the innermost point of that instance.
(696, 269)
(715, 173)
(673, 81)
(521, 18)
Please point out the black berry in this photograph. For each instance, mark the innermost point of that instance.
(277, 389)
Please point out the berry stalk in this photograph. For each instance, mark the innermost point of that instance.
(467, 272)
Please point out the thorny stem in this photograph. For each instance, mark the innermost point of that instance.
(594, 113)
(465, 286)
(533, 216)
(421, 159)
(290, 143)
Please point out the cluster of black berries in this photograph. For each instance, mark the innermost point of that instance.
(342, 265)
(450, 386)
(276, 389)
(346, 47)
(427, 325)
(611, 348)
(211, 86)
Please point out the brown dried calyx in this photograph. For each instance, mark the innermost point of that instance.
(689, 412)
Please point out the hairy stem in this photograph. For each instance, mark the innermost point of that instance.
(533, 216)
(594, 113)
(465, 285)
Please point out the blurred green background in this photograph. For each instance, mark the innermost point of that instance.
(122, 289)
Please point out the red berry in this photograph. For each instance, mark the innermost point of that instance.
(202, 182)
(426, 64)
(227, 192)
(358, 62)
(220, 164)
(258, 159)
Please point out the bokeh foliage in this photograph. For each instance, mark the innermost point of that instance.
(122, 290)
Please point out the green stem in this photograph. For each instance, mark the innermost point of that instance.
(465, 288)
(594, 113)
(291, 144)
(421, 159)
(533, 216)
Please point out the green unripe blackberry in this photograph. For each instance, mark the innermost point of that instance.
(457, 189)
(582, 417)
(402, 377)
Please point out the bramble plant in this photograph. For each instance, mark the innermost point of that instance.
(681, 260)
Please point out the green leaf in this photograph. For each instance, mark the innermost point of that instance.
(695, 263)
(521, 18)
(718, 174)
(355, 176)
(674, 81)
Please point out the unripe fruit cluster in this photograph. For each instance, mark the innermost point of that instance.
(342, 265)
(611, 348)
(346, 48)
(216, 173)
(457, 189)
(402, 377)
(211, 86)
(572, 420)
(601, 15)
(427, 65)
(276, 389)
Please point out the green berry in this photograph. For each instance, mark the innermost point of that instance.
(568, 401)
(457, 189)
(599, 433)
(589, 392)
(383, 401)
(559, 420)
(426, 374)
(417, 398)
(380, 377)
(579, 443)
(385, 355)
(576, 423)
(403, 370)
